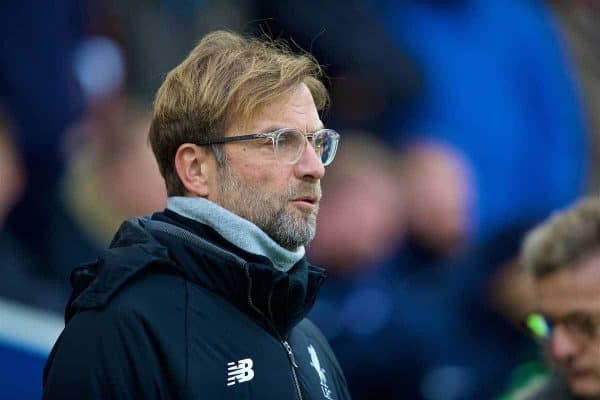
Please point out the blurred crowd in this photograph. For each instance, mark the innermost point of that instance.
(464, 123)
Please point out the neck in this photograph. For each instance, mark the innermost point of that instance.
(235, 229)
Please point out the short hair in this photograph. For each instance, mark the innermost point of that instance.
(563, 239)
(225, 78)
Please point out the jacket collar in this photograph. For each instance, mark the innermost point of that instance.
(277, 299)
(235, 229)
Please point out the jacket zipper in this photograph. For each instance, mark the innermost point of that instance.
(285, 344)
(185, 235)
(288, 348)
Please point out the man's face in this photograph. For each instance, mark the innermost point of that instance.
(282, 200)
(571, 297)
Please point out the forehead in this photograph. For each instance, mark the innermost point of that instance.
(576, 288)
(295, 109)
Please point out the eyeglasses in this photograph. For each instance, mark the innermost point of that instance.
(579, 326)
(289, 143)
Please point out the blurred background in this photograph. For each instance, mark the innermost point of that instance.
(464, 123)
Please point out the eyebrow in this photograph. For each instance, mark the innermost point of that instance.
(569, 314)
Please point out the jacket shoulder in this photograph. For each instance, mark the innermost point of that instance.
(154, 291)
(125, 343)
(309, 333)
(308, 329)
(153, 304)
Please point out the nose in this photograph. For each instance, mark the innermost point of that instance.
(562, 345)
(310, 165)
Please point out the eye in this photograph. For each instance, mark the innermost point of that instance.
(290, 138)
(581, 323)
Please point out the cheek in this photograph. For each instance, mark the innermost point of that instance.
(587, 387)
(252, 170)
(593, 355)
(272, 180)
(257, 169)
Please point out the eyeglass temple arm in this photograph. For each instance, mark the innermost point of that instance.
(230, 139)
(253, 136)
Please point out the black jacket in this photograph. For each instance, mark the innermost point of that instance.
(173, 311)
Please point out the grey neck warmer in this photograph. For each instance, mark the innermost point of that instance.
(235, 229)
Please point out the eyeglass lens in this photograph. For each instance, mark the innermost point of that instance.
(578, 326)
(290, 144)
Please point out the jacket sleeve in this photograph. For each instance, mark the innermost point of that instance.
(104, 354)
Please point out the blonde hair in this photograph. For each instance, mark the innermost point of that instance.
(225, 78)
(563, 239)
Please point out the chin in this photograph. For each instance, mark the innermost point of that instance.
(588, 387)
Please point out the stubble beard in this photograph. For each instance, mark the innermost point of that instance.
(289, 228)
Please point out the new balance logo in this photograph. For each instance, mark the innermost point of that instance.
(239, 372)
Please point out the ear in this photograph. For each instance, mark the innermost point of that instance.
(194, 166)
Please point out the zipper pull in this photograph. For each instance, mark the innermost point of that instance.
(288, 348)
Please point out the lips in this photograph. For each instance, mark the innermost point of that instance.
(307, 199)
(578, 373)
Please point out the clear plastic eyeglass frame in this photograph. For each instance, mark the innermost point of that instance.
(289, 144)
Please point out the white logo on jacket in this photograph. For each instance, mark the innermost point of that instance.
(240, 372)
(316, 364)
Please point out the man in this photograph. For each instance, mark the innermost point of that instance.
(207, 299)
(563, 256)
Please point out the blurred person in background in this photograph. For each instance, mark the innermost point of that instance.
(464, 346)
(496, 139)
(11, 170)
(91, 156)
(361, 223)
(562, 256)
(439, 194)
(382, 306)
(41, 92)
(217, 284)
(21, 279)
(499, 109)
(57, 64)
(101, 187)
(362, 219)
(16, 266)
(579, 22)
